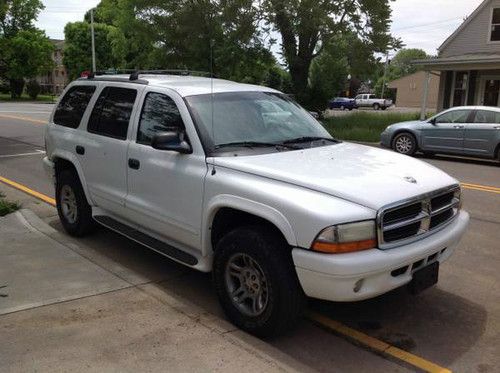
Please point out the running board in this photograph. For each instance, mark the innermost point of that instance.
(146, 240)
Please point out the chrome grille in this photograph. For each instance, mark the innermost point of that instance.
(412, 219)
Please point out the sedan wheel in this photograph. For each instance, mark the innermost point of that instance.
(342, 107)
(405, 143)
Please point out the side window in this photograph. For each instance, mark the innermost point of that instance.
(486, 116)
(455, 116)
(495, 25)
(111, 114)
(70, 110)
(159, 114)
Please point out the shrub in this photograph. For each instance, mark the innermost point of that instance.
(33, 89)
(7, 207)
(16, 87)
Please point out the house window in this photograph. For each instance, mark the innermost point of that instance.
(460, 89)
(495, 25)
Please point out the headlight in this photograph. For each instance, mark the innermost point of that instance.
(344, 238)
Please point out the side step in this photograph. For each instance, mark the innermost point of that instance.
(144, 239)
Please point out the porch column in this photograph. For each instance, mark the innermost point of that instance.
(425, 94)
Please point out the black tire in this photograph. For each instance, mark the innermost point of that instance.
(404, 143)
(83, 222)
(285, 297)
(342, 107)
(384, 107)
(376, 106)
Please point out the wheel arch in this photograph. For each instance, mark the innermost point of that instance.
(227, 212)
(63, 161)
(496, 153)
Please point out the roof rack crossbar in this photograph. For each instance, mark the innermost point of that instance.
(135, 75)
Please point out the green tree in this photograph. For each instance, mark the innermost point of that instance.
(308, 26)
(186, 34)
(18, 15)
(109, 47)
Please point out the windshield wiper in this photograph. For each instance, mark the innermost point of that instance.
(254, 144)
(310, 138)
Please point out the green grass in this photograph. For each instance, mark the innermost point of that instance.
(364, 126)
(41, 98)
(7, 207)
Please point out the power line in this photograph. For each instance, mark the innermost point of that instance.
(428, 24)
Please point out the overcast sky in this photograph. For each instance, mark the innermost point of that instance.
(421, 24)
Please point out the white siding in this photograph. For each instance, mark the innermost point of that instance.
(474, 37)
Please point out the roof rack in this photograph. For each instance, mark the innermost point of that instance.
(135, 74)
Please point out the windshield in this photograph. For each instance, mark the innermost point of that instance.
(252, 117)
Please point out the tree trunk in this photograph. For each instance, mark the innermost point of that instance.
(16, 87)
(299, 71)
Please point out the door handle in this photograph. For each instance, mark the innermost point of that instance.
(134, 163)
(80, 150)
(458, 126)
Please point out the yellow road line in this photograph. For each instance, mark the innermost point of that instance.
(484, 188)
(376, 344)
(31, 192)
(37, 121)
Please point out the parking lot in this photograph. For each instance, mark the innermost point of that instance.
(143, 304)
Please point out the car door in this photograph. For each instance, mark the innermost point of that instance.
(359, 100)
(483, 133)
(165, 188)
(103, 149)
(446, 131)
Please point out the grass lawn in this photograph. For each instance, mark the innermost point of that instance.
(7, 207)
(41, 98)
(364, 126)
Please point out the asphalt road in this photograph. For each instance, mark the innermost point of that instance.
(455, 324)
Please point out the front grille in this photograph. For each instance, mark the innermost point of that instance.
(417, 217)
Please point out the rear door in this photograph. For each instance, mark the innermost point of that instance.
(483, 133)
(447, 133)
(104, 149)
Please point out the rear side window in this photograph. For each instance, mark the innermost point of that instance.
(159, 114)
(70, 110)
(486, 116)
(111, 114)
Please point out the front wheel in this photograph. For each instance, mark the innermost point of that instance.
(256, 282)
(405, 143)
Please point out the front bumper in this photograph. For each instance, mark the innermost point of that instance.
(366, 274)
(385, 139)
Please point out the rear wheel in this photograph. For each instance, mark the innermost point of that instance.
(74, 211)
(376, 106)
(342, 107)
(256, 282)
(405, 143)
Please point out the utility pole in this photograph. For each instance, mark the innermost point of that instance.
(93, 41)
(385, 73)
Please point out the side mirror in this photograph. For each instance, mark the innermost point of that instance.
(433, 121)
(173, 141)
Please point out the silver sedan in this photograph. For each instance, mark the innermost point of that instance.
(464, 130)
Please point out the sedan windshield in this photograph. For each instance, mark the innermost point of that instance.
(246, 119)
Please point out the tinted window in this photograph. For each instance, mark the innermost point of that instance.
(111, 113)
(455, 116)
(486, 116)
(159, 114)
(70, 110)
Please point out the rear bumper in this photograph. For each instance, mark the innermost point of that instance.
(49, 168)
(366, 274)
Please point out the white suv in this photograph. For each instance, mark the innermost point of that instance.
(241, 181)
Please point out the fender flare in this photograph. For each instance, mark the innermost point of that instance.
(70, 157)
(246, 205)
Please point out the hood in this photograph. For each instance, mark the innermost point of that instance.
(406, 124)
(361, 174)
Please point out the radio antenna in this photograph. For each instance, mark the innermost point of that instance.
(212, 87)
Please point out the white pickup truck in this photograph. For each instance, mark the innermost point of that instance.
(241, 181)
(369, 100)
